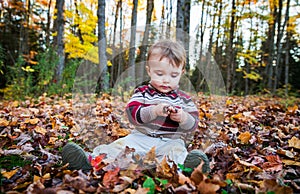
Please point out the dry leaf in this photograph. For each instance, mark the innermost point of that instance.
(111, 178)
(9, 174)
(294, 142)
(32, 121)
(245, 137)
(291, 162)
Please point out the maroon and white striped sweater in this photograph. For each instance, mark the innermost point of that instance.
(139, 111)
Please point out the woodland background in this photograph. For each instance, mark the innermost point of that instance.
(255, 44)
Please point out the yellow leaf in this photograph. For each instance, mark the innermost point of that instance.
(47, 176)
(40, 130)
(290, 162)
(52, 140)
(15, 104)
(4, 122)
(36, 178)
(294, 142)
(228, 102)
(9, 174)
(245, 137)
(237, 116)
(32, 121)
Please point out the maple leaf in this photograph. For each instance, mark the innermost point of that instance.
(273, 164)
(111, 178)
(97, 162)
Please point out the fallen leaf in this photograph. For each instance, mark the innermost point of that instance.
(291, 162)
(40, 130)
(4, 122)
(110, 178)
(294, 142)
(245, 137)
(9, 174)
(274, 163)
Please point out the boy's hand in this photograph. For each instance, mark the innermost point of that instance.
(161, 109)
(165, 110)
(178, 116)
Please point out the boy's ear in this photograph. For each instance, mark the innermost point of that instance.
(148, 69)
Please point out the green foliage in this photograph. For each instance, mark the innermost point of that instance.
(19, 79)
(184, 169)
(24, 80)
(150, 183)
(11, 161)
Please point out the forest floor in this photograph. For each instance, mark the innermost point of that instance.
(252, 142)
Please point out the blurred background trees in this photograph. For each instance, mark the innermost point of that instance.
(254, 43)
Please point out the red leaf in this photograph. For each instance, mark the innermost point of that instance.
(111, 178)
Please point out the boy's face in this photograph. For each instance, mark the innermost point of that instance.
(164, 76)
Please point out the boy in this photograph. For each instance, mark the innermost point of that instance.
(163, 115)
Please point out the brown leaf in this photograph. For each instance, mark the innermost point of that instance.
(272, 185)
(164, 169)
(150, 157)
(274, 163)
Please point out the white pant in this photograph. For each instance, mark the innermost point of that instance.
(173, 148)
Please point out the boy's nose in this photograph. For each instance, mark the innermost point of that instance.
(166, 79)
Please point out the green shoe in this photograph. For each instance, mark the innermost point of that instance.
(194, 158)
(75, 156)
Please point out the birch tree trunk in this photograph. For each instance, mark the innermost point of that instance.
(104, 82)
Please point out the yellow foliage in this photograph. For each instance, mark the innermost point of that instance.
(252, 75)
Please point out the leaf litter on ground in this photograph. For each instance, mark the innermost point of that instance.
(252, 142)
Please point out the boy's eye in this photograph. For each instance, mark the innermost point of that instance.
(174, 75)
(159, 74)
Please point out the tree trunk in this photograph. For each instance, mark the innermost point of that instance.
(120, 60)
(60, 40)
(144, 46)
(270, 44)
(114, 71)
(278, 46)
(186, 29)
(132, 42)
(77, 26)
(287, 49)
(180, 20)
(104, 82)
(230, 55)
(48, 24)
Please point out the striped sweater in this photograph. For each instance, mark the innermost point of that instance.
(139, 111)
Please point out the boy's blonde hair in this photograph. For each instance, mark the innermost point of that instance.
(169, 49)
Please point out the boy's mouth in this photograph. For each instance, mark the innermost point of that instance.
(165, 87)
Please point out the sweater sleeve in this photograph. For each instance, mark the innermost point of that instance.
(137, 111)
(191, 123)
